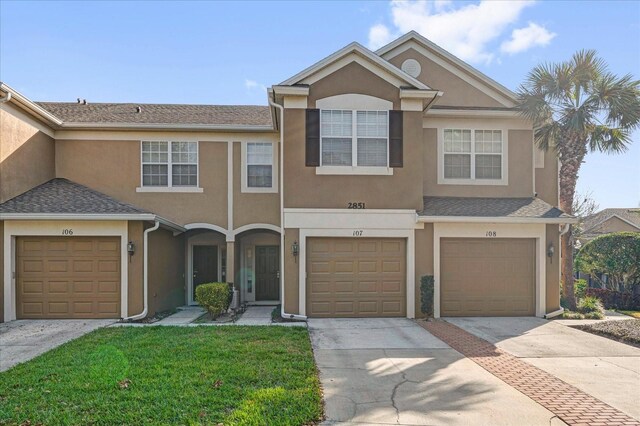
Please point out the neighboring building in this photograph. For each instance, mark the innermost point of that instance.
(366, 172)
(610, 220)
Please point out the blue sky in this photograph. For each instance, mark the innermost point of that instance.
(226, 53)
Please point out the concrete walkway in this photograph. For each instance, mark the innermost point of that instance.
(391, 371)
(185, 315)
(23, 340)
(601, 367)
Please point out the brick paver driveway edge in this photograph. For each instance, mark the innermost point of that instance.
(569, 403)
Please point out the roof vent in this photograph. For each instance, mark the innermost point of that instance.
(84, 102)
(79, 101)
(138, 110)
(411, 67)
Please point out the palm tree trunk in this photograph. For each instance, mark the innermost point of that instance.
(572, 154)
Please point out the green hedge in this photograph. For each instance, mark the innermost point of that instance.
(214, 297)
(426, 295)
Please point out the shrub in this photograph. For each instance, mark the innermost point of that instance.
(590, 305)
(579, 287)
(567, 314)
(214, 297)
(426, 295)
(617, 255)
(615, 299)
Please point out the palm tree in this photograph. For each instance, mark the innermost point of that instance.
(579, 106)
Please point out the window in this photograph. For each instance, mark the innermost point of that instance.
(354, 138)
(259, 165)
(474, 155)
(169, 164)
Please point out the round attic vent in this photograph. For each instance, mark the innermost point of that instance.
(411, 67)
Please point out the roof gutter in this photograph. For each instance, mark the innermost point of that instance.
(17, 98)
(5, 98)
(476, 219)
(163, 126)
(283, 314)
(145, 268)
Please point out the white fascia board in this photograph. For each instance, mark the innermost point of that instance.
(419, 94)
(362, 51)
(351, 219)
(162, 126)
(75, 216)
(291, 90)
(476, 219)
(170, 225)
(473, 113)
(26, 103)
(415, 36)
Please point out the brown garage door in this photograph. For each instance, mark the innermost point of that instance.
(487, 277)
(356, 277)
(68, 277)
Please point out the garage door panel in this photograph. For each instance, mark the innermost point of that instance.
(68, 277)
(374, 286)
(480, 277)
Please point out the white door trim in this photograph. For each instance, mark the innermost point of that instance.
(409, 234)
(503, 230)
(13, 229)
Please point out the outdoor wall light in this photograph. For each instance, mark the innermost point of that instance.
(131, 248)
(551, 250)
(295, 248)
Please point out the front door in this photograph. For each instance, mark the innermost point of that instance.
(267, 273)
(205, 266)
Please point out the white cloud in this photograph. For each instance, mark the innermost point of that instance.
(252, 85)
(469, 31)
(525, 38)
(379, 35)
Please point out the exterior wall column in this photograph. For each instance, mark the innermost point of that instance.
(230, 266)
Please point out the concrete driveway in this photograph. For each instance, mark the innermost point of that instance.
(603, 368)
(391, 371)
(23, 340)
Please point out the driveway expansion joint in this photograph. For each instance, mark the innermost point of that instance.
(568, 403)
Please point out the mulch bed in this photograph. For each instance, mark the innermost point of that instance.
(625, 331)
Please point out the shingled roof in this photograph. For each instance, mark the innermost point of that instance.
(116, 113)
(525, 208)
(630, 215)
(61, 196)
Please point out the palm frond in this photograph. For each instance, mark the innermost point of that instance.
(610, 140)
(548, 136)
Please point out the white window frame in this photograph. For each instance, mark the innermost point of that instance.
(354, 168)
(169, 187)
(472, 180)
(245, 188)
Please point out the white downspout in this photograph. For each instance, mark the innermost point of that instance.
(145, 268)
(283, 314)
(6, 98)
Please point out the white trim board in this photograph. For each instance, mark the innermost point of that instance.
(469, 230)
(408, 234)
(351, 219)
(13, 229)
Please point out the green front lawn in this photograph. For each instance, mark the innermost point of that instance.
(168, 375)
(635, 314)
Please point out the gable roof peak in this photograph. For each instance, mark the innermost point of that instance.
(371, 59)
(504, 94)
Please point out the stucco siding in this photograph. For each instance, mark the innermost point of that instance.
(166, 271)
(27, 155)
(547, 179)
(2, 271)
(291, 273)
(457, 92)
(553, 270)
(113, 167)
(250, 207)
(519, 163)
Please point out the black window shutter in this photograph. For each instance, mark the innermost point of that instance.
(395, 138)
(312, 146)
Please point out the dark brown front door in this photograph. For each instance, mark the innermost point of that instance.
(205, 266)
(267, 276)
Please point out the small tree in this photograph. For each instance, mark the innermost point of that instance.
(617, 255)
(583, 207)
(426, 295)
